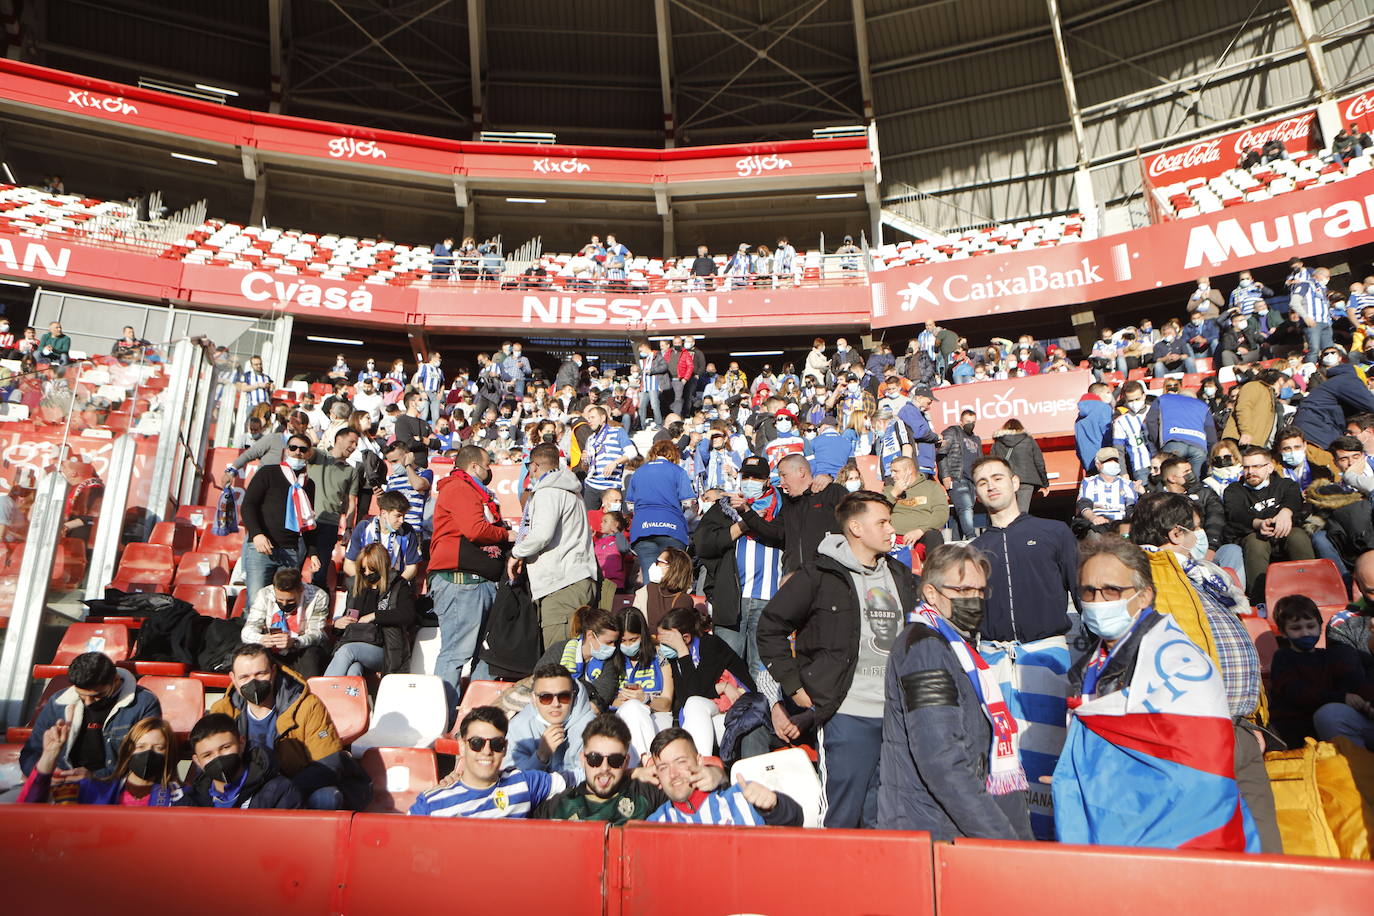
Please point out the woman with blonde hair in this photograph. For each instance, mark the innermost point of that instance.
(378, 625)
(143, 776)
(860, 432)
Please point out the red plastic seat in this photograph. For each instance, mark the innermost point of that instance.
(390, 768)
(346, 700)
(198, 517)
(231, 545)
(179, 536)
(208, 600)
(145, 568)
(240, 606)
(182, 699)
(69, 564)
(478, 693)
(212, 679)
(1319, 580)
(215, 572)
(111, 639)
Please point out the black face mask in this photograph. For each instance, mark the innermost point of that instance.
(967, 614)
(149, 765)
(968, 428)
(372, 575)
(256, 692)
(224, 768)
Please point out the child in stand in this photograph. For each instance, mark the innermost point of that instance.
(611, 546)
(1305, 679)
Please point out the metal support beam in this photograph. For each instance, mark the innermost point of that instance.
(665, 74)
(259, 211)
(874, 199)
(119, 474)
(861, 48)
(1083, 181)
(1307, 34)
(278, 23)
(477, 62)
(31, 594)
(663, 203)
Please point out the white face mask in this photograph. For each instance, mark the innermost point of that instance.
(784, 426)
(1135, 406)
(1111, 468)
(295, 464)
(1330, 360)
(611, 507)
(853, 485)
(655, 573)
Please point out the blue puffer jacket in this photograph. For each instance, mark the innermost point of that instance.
(134, 703)
(1322, 415)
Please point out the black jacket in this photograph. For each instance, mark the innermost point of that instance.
(958, 455)
(264, 506)
(802, 523)
(715, 548)
(1022, 454)
(820, 605)
(698, 679)
(1231, 340)
(1034, 574)
(569, 375)
(264, 787)
(1322, 415)
(1243, 505)
(936, 739)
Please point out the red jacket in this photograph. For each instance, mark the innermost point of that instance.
(460, 513)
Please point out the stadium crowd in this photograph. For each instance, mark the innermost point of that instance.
(709, 565)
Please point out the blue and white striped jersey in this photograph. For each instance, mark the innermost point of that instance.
(516, 794)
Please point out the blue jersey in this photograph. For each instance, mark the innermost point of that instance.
(399, 480)
(516, 794)
(656, 492)
(725, 806)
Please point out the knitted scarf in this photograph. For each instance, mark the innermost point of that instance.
(300, 515)
(1004, 761)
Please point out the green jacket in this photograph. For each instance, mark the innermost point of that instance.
(634, 802)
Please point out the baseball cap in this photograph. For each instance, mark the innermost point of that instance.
(755, 467)
(784, 412)
(1104, 453)
(923, 391)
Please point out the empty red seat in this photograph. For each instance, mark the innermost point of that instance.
(346, 700)
(1319, 580)
(145, 568)
(198, 517)
(179, 536)
(111, 639)
(478, 693)
(208, 600)
(69, 564)
(398, 775)
(200, 568)
(1266, 640)
(182, 699)
(231, 545)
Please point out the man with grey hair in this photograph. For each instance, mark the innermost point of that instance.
(949, 761)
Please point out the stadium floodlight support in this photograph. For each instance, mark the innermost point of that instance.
(477, 58)
(860, 17)
(198, 91)
(1082, 180)
(533, 137)
(1328, 112)
(665, 73)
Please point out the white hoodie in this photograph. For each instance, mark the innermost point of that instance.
(557, 541)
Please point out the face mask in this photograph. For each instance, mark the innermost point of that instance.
(1209, 393)
(1286, 392)
(148, 765)
(372, 575)
(853, 486)
(629, 649)
(256, 692)
(1230, 474)
(852, 387)
(1293, 457)
(1305, 643)
(1330, 360)
(655, 573)
(1199, 551)
(966, 613)
(1108, 619)
(703, 506)
(224, 767)
(295, 464)
(968, 428)
(752, 489)
(601, 652)
(611, 507)
(1135, 406)
(667, 653)
(1111, 468)
(784, 426)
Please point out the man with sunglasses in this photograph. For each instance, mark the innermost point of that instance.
(481, 785)
(277, 513)
(547, 734)
(611, 789)
(679, 769)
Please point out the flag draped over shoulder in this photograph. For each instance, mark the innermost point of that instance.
(1152, 763)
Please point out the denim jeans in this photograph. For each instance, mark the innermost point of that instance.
(1233, 558)
(850, 748)
(1194, 453)
(1337, 719)
(650, 401)
(750, 610)
(1162, 368)
(1318, 339)
(355, 659)
(320, 543)
(259, 568)
(961, 501)
(462, 611)
(648, 548)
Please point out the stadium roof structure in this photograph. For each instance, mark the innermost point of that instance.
(983, 110)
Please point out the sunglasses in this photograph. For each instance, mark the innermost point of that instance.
(299, 449)
(595, 760)
(475, 744)
(563, 697)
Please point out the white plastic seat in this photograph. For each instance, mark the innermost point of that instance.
(425, 651)
(790, 772)
(411, 711)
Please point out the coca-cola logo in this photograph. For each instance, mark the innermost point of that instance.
(757, 165)
(114, 105)
(1203, 153)
(573, 166)
(1359, 106)
(1291, 130)
(350, 148)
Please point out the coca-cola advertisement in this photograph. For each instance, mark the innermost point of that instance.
(1358, 109)
(1210, 157)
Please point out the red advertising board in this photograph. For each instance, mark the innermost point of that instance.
(1323, 218)
(1210, 157)
(354, 146)
(304, 295)
(1358, 109)
(1046, 405)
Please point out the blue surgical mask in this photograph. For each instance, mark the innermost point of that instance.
(1286, 392)
(1305, 643)
(784, 426)
(629, 649)
(667, 652)
(1108, 619)
(1199, 551)
(602, 651)
(752, 489)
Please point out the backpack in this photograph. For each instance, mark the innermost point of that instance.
(511, 644)
(171, 631)
(218, 642)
